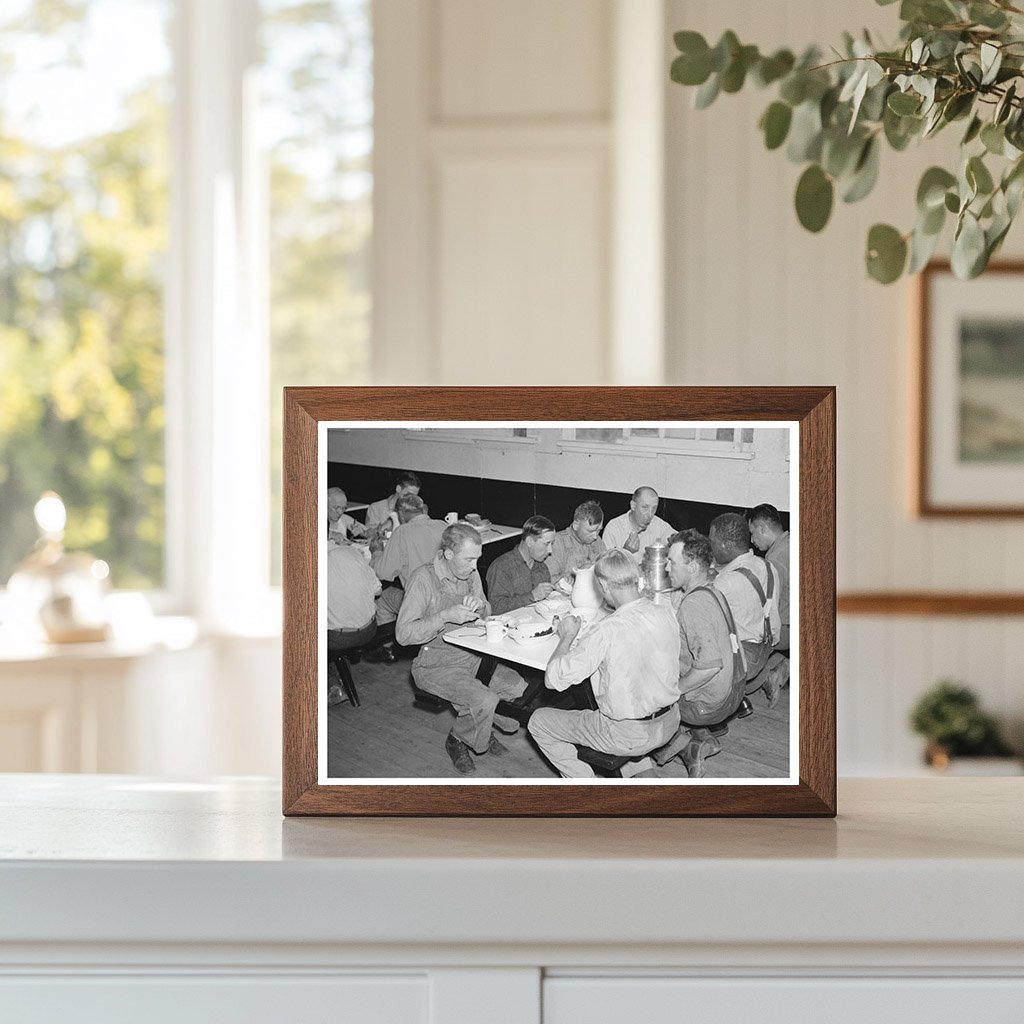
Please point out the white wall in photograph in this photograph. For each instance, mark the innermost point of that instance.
(744, 478)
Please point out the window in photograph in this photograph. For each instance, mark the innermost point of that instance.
(317, 131)
(671, 439)
(83, 242)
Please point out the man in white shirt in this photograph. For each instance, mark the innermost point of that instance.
(632, 659)
(379, 511)
(768, 535)
(352, 589)
(339, 525)
(751, 586)
(639, 527)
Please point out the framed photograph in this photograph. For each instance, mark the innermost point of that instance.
(971, 393)
(559, 601)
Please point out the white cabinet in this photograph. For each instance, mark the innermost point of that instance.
(128, 898)
(202, 999)
(823, 1000)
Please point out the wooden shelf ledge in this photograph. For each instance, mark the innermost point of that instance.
(928, 603)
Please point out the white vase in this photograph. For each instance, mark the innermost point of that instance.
(584, 590)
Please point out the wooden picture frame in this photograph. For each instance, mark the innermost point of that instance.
(970, 419)
(809, 413)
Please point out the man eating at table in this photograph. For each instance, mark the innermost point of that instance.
(639, 527)
(632, 659)
(443, 594)
(378, 511)
(519, 577)
(340, 525)
(578, 545)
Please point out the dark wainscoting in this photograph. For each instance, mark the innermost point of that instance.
(512, 502)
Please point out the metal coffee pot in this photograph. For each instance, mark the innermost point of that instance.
(654, 568)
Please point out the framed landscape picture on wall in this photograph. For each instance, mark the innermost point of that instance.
(601, 601)
(970, 451)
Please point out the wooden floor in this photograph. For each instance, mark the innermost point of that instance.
(388, 737)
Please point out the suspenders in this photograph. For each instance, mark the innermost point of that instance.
(766, 601)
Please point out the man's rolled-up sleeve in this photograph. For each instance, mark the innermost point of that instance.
(578, 663)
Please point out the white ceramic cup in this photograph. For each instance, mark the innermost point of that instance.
(452, 517)
(496, 630)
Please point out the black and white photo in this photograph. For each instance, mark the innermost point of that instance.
(558, 603)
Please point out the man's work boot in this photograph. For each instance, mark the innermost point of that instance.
(459, 753)
(496, 746)
(673, 748)
(776, 679)
(697, 750)
(383, 655)
(746, 709)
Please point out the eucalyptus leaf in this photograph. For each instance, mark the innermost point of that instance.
(991, 59)
(814, 194)
(903, 103)
(978, 176)
(1013, 191)
(958, 105)
(968, 247)
(735, 74)
(840, 152)
(972, 132)
(900, 130)
(865, 174)
(693, 65)
(1004, 106)
(873, 106)
(707, 93)
(775, 123)
(993, 138)
(805, 133)
(987, 15)
(931, 190)
(932, 221)
(794, 88)
(922, 248)
(886, 253)
(952, 202)
(724, 51)
(771, 69)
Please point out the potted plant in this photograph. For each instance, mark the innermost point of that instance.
(950, 717)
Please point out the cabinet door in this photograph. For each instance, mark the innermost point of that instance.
(576, 1000)
(205, 999)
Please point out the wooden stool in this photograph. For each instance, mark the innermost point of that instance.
(339, 659)
(605, 764)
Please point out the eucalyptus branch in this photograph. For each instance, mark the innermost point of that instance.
(833, 117)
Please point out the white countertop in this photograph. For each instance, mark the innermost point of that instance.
(123, 859)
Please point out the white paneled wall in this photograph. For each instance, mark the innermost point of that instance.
(519, 222)
(752, 297)
(495, 203)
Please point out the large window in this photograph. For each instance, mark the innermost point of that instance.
(168, 263)
(317, 119)
(84, 102)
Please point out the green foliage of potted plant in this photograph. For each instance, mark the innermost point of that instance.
(957, 61)
(951, 719)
